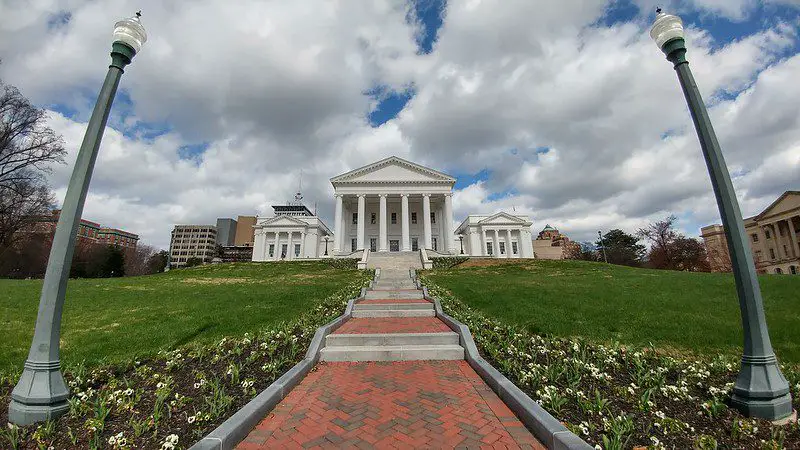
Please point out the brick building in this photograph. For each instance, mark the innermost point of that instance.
(88, 231)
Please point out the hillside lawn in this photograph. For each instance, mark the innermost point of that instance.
(115, 319)
(686, 313)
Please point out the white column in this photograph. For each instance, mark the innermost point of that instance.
(426, 219)
(496, 244)
(404, 224)
(382, 225)
(520, 244)
(448, 222)
(793, 236)
(483, 251)
(360, 225)
(289, 249)
(338, 230)
(509, 253)
(276, 251)
(302, 244)
(265, 247)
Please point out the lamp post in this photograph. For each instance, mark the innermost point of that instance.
(461, 238)
(760, 389)
(326, 245)
(603, 246)
(41, 394)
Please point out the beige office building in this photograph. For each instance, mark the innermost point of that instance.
(773, 235)
(192, 241)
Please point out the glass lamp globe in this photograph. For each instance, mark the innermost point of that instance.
(130, 32)
(665, 28)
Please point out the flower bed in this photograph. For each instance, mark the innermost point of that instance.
(178, 397)
(619, 397)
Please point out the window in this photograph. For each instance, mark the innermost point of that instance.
(514, 249)
(755, 237)
(283, 250)
(778, 271)
(372, 219)
(353, 245)
(433, 243)
(413, 217)
(373, 244)
(793, 270)
(771, 254)
(296, 249)
(433, 218)
(766, 234)
(786, 251)
(489, 249)
(414, 244)
(355, 218)
(502, 246)
(394, 245)
(394, 218)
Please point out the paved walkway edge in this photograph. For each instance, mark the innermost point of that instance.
(544, 427)
(238, 426)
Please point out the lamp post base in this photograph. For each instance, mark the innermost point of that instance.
(761, 390)
(40, 395)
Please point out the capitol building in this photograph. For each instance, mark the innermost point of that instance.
(389, 206)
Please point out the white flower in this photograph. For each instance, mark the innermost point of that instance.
(191, 419)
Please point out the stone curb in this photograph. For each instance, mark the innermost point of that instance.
(544, 426)
(238, 426)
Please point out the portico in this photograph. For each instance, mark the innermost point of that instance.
(393, 205)
(501, 235)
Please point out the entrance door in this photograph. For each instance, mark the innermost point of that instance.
(394, 245)
(373, 244)
(283, 250)
(414, 244)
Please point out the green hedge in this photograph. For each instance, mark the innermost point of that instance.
(447, 262)
(343, 263)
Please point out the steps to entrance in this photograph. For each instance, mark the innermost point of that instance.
(382, 324)
(394, 261)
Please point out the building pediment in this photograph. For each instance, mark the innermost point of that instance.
(282, 221)
(790, 200)
(503, 218)
(393, 170)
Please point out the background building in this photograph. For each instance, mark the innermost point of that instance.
(551, 244)
(245, 231)
(88, 232)
(192, 241)
(293, 232)
(773, 237)
(226, 232)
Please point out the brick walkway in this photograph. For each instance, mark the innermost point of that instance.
(414, 404)
(390, 301)
(376, 325)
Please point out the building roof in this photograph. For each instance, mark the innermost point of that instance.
(393, 170)
(548, 228)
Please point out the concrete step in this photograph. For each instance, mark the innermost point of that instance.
(394, 313)
(393, 286)
(390, 339)
(384, 306)
(392, 353)
(372, 294)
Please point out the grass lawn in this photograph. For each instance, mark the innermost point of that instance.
(113, 320)
(695, 313)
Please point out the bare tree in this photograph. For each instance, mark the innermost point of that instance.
(669, 249)
(28, 148)
(138, 260)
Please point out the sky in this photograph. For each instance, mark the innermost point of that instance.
(565, 111)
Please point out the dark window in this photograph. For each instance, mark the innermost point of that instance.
(514, 248)
(353, 245)
(793, 270)
(489, 248)
(433, 217)
(771, 254)
(502, 248)
(755, 237)
(766, 233)
(372, 219)
(778, 271)
(413, 217)
(433, 242)
(355, 218)
(394, 218)
(373, 244)
(296, 249)
(414, 244)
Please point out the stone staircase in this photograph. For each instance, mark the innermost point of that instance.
(409, 329)
(394, 261)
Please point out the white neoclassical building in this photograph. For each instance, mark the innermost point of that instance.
(501, 235)
(293, 233)
(393, 205)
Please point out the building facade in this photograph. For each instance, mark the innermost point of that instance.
(551, 244)
(293, 232)
(393, 205)
(226, 232)
(192, 241)
(501, 235)
(88, 232)
(245, 231)
(773, 235)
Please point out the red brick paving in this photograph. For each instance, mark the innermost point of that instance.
(390, 301)
(378, 325)
(410, 404)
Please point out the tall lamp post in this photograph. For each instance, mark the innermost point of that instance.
(461, 238)
(760, 389)
(326, 245)
(41, 394)
(603, 246)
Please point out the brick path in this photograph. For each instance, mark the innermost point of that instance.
(375, 325)
(414, 404)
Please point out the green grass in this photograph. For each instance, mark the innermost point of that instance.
(695, 313)
(114, 320)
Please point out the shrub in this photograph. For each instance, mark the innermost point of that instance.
(447, 262)
(343, 263)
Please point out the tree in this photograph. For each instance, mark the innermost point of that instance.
(621, 248)
(670, 249)
(193, 261)
(583, 251)
(137, 260)
(158, 261)
(27, 149)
